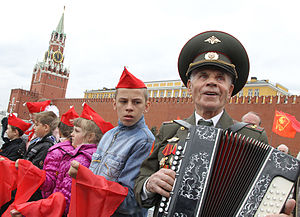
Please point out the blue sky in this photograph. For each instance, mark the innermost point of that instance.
(146, 36)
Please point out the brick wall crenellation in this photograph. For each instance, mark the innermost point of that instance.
(166, 109)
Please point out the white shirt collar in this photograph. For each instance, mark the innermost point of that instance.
(214, 119)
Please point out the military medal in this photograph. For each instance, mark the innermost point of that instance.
(171, 160)
(174, 149)
(162, 162)
(167, 150)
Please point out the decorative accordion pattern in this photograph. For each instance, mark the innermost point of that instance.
(219, 173)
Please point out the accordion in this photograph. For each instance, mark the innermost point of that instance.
(220, 173)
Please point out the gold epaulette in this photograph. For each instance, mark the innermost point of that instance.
(255, 127)
(168, 122)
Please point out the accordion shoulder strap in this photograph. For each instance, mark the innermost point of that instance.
(183, 123)
(237, 126)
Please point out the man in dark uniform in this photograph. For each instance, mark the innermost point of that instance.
(214, 66)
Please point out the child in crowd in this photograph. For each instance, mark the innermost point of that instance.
(78, 144)
(44, 123)
(122, 150)
(15, 147)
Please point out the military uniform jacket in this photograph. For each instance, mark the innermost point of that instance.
(165, 143)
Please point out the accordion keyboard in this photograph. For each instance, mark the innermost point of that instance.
(275, 197)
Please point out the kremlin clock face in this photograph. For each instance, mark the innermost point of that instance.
(57, 56)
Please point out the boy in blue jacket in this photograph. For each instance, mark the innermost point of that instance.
(122, 150)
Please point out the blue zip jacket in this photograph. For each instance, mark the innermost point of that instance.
(118, 158)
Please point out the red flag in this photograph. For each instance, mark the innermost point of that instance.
(295, 123)
(285, 124)
(53, 206)
(8, 178)
(93, 195)
(28, 181)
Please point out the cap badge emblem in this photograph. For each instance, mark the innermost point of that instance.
(212, 40)
(211, 56)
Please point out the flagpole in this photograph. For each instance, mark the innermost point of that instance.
(271, 137)
(270, 143)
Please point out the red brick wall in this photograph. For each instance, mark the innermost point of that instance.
(165, 109)
(21, 96)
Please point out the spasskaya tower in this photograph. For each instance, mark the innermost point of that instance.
(50, 77)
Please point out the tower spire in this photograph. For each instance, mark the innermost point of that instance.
(60, 26)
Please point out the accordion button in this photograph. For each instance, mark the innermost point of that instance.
(179, 148)
(175, 162)
(178, 153)
(160, 210)
(262, 209)
(268, 210)
(271, 191)
(173, 168)
(176, 158)
(164, 199)
(162, 204)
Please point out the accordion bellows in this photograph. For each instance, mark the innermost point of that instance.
(224, 174)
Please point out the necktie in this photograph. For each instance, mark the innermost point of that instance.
(205, 123)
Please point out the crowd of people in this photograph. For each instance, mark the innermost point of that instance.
(102, 170)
